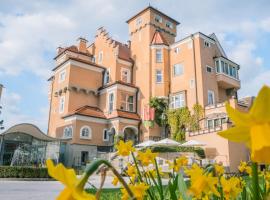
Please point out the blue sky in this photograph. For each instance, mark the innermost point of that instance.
(30, 32)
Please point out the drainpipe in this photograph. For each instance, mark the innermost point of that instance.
(195, 67)
(50, 108)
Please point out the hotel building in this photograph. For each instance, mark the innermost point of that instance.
(102, 89)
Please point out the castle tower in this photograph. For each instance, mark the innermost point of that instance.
(150, 31)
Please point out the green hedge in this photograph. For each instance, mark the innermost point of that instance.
(199, 151)
(23, 172)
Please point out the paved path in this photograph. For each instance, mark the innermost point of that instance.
(40, 190)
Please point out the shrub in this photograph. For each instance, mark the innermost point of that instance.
(23, 172)
(199, 151)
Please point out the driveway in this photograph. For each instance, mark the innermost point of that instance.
(41, 190)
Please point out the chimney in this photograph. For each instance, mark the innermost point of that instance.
(128, 43)
(1, 88)
(82, 45)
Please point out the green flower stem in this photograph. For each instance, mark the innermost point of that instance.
(159, 180)
(94, 166)
(255, 181)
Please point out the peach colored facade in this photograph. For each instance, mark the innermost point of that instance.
(101, 90)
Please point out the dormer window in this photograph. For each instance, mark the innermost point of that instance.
(169, 24)
(107, 76)
(125, 75)
(176, 50)
(100, 57)
(158, 19)
(206, 44)
(138, 21)
(62, 76)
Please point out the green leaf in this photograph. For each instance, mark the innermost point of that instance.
(182, 187)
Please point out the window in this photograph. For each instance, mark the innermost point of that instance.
(105, 135)
(107, 76)
(178, 69)
(100, 57)
(68, 132)
(127, 102)
(62, 76)
(158, 19)
(169, 24)
(138, 21)
(216, 122)
(206, 43)
(211, 97)
(94, 59)
(208, 69)
(140, 36)
(125, 75)
(158, 55)
(159, 76)
(111, 102)
(84, 157)
(86, 132)
(192, 83)
(226, 68)
(176, 50)
(210, 124)
(217, 66)
(178, 101)
(61, 104)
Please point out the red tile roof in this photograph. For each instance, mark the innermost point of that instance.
(91, 111)
(72, 48)
(124, 51)
(159, 39)
(88, 111)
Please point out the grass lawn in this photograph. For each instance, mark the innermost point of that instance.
(108, 194)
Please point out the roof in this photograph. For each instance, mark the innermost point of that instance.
(29, 129)
(79, 60)
(118, 82)
(155, 10)
(125, 114)
(124, 52)
(91, 111)
(159, 39)
(72, 48)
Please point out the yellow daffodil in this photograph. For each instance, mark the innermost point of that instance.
(231, 187)
(139, 190)
(201, 184)
(252, 128)
(243, 167)
(153, 172)
(219, 169)
(131, 171)
(124, 148)
(267, 180)
(179, 162)
(146, 157)
(115, 181)
(125, 195)
(68, 178)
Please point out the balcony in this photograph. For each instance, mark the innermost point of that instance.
(227, 73)
(227, 82)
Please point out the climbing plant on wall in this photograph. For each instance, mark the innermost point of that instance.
(182, 119)
(161, 107)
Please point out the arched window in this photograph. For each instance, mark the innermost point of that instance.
(68, 132)
(86, 132)
(105, 135)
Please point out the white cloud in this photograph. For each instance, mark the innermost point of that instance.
(12, 112)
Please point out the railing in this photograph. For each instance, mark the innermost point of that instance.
(205, 131)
